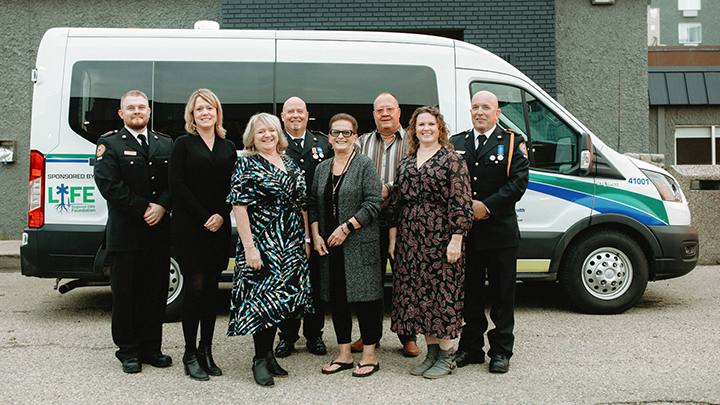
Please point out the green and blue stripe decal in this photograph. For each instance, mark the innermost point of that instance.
(66, 158)
(603, 199)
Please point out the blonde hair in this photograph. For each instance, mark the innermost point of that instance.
(212, 99)
(133, 93)
(442, 126)
(269, 120)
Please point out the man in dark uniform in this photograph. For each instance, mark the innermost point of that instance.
(307, 149)
(498, 166)
(131, 173)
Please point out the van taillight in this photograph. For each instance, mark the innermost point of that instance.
(36, 190)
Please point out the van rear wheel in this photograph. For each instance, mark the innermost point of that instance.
(176, 292)
(604, 272)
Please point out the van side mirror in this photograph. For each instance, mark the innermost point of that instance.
(587, 160)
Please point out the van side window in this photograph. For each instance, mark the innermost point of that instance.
(243, 88)
(553, 144)
(331, 88)
(95, 93)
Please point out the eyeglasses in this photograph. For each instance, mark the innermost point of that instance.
(346, 133)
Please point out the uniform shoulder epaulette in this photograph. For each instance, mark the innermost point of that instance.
(318, 133)
(113, 131)
(161, 134)
(462, 134)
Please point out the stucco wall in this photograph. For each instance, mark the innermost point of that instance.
(602, 69)
(24, 23)
(672, 116)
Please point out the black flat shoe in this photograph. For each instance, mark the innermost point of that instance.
(205, 359)
(261, 374)
(499, 364)
(343, 366)
(157, 360)
(192, 367)
(284, 348)
(463, 358)
(316, 346)
(274, 367)
(131, 366)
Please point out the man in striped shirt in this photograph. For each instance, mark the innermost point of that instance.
(386, 146)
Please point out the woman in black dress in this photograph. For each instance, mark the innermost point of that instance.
(200, 168)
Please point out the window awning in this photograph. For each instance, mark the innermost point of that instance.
(684, 85)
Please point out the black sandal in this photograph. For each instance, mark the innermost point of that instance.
(343, 366)
(375, 367)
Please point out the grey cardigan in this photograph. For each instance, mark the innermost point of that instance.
(359, 196)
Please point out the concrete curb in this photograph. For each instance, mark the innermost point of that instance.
(10, 247)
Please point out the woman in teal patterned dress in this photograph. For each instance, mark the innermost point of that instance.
(271, 281)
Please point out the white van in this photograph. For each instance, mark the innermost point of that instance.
(599, 222)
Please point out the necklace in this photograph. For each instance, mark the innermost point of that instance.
(336, 184)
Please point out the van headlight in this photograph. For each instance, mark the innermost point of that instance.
(667, 186)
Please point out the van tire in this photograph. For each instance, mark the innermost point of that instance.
(604, 272)
(176, 292)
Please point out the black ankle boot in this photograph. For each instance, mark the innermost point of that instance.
(274, 367)
(206, 361)
(261, 374)
(192, 367)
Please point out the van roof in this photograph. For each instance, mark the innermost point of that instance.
(367, 36)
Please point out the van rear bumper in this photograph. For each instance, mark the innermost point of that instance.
(680, 249)
(63, 251)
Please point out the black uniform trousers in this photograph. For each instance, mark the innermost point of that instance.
(313, 323)
(139, 282)
(500, 265)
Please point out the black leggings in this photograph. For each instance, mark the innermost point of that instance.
(369, 315)
(201, 291)
(264, 341)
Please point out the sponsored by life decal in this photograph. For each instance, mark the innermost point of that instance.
(69, 198)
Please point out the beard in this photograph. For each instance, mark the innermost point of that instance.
(137, 124)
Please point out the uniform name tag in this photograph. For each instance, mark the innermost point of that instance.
(130, 153)
(462, 152)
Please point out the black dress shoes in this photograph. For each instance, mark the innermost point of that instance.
(261, 374)
(284, 348)
(499, 364)
(316, 346)
(463, 358)
(157, 360)
(131, 366)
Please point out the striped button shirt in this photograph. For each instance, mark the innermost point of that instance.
(386, 158)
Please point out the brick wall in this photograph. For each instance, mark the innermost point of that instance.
(521, 31)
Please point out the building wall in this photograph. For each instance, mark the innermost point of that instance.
(602, 75)
(521, 31)
(670, 17)
(664, 119)
(24, 22)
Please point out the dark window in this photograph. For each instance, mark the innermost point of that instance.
(553, 143)
(328, 89)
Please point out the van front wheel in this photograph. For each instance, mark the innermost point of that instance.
(604, 272)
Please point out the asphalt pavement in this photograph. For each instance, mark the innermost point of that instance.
(58, 349)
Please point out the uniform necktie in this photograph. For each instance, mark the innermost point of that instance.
(144, 144)
(298, 142)
(480, 142)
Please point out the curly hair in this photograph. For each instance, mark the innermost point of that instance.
(443, 139)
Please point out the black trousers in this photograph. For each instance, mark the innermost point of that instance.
(384, 257)
(369, 315)
(139, 282)
(500, 265)
(312, 323)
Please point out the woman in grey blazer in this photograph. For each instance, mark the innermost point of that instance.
(344, 205)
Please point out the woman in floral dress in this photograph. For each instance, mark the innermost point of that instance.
(271, 281)
(430, 212)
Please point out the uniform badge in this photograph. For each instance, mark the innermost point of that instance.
(130, 153)
(501, 157)
(314, 153)
(523, 149)
(320, 152)
(462, 152)
(501, 150)
(492, 157)
(100, 150)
